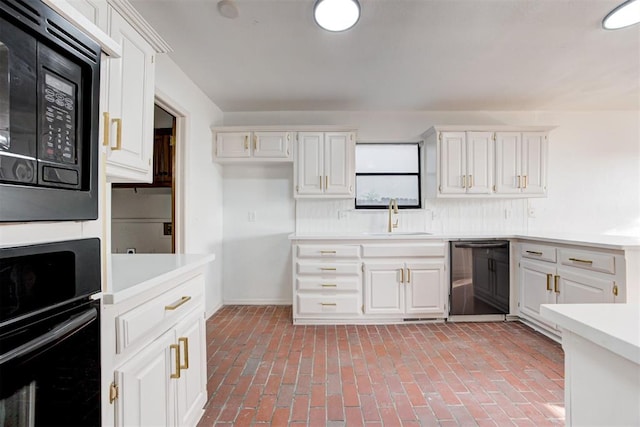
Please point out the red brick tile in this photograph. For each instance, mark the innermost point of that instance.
(265, 409)
(300, 411)
(369, 409)
(389, 417)
(318, 395)
(244, 418)
(350, 395)
(335, 408)
(317, 417)
(415, 394)
(353, 417)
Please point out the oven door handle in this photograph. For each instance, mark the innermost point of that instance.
(58, 333)
(481, 245)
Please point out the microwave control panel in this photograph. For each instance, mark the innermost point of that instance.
(59, 139)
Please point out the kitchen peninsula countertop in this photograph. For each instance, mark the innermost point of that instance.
(594, 240)
(132, 274)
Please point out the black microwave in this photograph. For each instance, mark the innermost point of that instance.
(49, 95)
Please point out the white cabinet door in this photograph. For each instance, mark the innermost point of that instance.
(536, 287)
(453, 162)
(94, 10)
(508, 162)
(192, 384)
(233, 144)
(425, 289)
(534, 155)
(479, 148)
(338, 163)
(383, 292)
(271, 144)
(577, 288)
(310, 164)
(130, 105)
(146, 390)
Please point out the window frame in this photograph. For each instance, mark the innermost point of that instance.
(418, 174)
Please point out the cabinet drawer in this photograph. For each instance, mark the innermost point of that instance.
(328, 251)
(135, 324)
(328, 268)
(343, 283)
(390, 250)
(588, 260)
(540, 252)
(331, 304)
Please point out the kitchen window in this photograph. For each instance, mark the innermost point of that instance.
(386, 171)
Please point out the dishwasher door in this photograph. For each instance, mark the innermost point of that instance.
(479, 277)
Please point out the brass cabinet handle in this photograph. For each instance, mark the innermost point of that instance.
(583, 261)
(329, 304)
(464, 181)
(408, 275)
(556, 284)
(105, 131)
(246, 142)
(185, 342)
(519, 181)
(177, 304)
(534, 253)
(320, 182)
(549, 276)
(255, 142)
(118, 123)
(327, 252)
(470, 181)
(113, 392)
(328, 285)
(326, 182)
(615, 289)
(176, 347)
(328, 268)
(524, 178)
(402, 275)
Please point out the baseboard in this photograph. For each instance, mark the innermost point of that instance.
(213, 311)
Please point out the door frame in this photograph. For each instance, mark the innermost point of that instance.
(181, 115)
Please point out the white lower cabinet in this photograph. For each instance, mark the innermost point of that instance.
(159, 355)
(404, 288)
(563, 275)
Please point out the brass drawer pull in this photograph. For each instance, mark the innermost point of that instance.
(177, 304)
(519, 181)
(534, 253)
(402, 275)
(176, 347)
(118, 123)
(328, 304)
(105, 130)
(408, 275)
(246, 142)
(583, 261)
(327, 252)
(329, 285)
(328, 268)
(185, 342)
(556, 284)
(549, 276)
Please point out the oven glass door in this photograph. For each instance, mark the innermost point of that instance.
(50, 370)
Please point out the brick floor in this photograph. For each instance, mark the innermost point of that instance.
(263, 370)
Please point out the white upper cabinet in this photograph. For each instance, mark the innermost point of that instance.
(325, 164)
(521, 163)
(130, 98)
(127, 92)
(483, 161)
(233, 146)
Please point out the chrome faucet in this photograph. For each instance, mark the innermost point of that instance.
(393, 209)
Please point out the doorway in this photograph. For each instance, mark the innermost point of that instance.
(143, 215)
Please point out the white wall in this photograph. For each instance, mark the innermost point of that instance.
(256, 252)
(202, 184)
(137, 220)
(593, 181)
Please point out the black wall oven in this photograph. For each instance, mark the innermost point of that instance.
(50, 334)
(49, 94)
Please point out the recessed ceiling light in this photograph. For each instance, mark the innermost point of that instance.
(336, 15)
(628, 13)
(228, 9)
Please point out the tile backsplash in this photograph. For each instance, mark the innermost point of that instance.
(449, 216)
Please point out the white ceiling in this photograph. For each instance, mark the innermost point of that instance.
(405, 55)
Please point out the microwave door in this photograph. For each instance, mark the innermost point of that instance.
(18, 101)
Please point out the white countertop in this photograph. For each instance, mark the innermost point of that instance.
(593, 240)
(615, 327)
(132, 274)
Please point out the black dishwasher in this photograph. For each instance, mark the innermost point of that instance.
(479, 277)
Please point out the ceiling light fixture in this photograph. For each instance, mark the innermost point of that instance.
(336, 15)
(628, 13)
